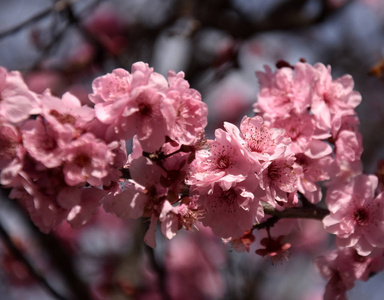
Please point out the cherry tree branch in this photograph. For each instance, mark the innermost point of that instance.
(61, 259)
(59, 6)
(20, 257)
(64, 263)
(161, 272)
(25, 23)
(307, 212)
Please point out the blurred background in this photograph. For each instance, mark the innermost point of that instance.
(219, 44)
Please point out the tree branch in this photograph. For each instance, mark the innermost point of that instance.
(161, 272)
(305, 212)
(19, 256)
(20, 26)
(60, 5)
(310, 212)
(59, 257)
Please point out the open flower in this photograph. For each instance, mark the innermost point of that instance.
(190, 111)
(224, 162)
(356, 215)
(285, 90)
(230, 212)
(332, 98)
(278, 179)
(87, 159)
(134, 104)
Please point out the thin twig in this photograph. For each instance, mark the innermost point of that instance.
(305, 212)
(61, 259)
(48, 47)
(101, 50)
(20, 26)
(64, 262)
(313, 212)
(19, 256)
(161, 272)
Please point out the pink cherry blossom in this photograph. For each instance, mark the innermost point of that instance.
(126, 200)
(242, 243)
(299, 128)
(332, 98)
(134, 103)
(17, 102)
(149, 115)
(230, 212)
(224, 162)
(185, 215)
(348, 139)
(38, 195)
(144, 196)
(309, 172)
(86, 159)
(66, 114)
(69, 159)
(264, 143)
(285, 90)
(110, 87)
(349, 146)
(356, 215)
(44, 143)
(11, 153)
(344, 171)
(278, 179)
(191, 112)
(342, 267)
(88, 206)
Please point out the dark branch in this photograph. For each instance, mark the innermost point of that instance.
(19, 256)
(20, 26)
(59, 257)
(305, 212)
(312, 212)
(161, 272)
(64, 263)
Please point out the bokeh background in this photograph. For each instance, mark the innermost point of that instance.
(219, 44)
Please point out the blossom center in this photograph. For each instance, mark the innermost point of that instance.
(328, 99)
(7, 148)
(293, 132)
(259, 140)
(304, 161)
(273, 171)
(145, 109)
(229, 196)
(48, 143)
(82, 160)
(63, 118)
(189, 219)
(361, 216)
(223, 162)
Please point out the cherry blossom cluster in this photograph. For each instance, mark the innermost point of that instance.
(50, 155)
(318, 115)
(304, 133)
(63, 161)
